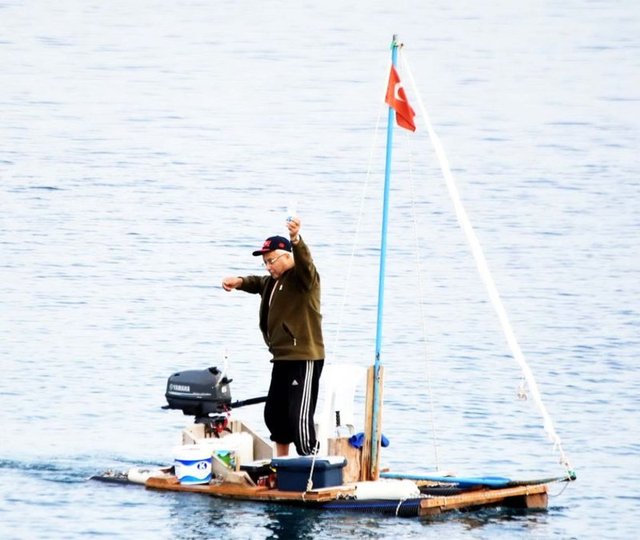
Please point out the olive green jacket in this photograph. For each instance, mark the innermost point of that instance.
(293, 328)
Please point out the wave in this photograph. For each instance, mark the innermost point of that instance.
(71, 469)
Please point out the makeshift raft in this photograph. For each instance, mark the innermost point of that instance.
(343, 497)
(396, 494)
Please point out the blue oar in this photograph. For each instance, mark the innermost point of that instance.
(474, 481)
(463, 481)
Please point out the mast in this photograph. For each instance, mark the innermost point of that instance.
(376, 411)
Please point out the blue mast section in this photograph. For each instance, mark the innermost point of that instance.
(375, 436)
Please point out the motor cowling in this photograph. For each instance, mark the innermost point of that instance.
(199, 392)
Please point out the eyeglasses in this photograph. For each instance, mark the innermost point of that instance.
(271, 262)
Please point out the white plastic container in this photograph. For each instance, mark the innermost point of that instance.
(386, 489)
(239, 444)
(192, 463)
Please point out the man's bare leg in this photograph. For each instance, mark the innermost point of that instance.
(282, 449)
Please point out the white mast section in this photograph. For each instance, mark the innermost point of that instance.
(485, 274)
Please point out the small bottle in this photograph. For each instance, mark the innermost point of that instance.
(291, 211)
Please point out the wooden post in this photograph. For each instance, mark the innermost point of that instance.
(369, 470)
(538, 501)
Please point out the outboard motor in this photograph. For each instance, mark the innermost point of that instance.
(200, 392)
(205, 394)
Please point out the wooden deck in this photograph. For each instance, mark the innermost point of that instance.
(250, 493)
(531, 496)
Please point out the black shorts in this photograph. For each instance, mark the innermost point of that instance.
(291, 403)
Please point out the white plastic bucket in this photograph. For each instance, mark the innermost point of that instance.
(192, 463)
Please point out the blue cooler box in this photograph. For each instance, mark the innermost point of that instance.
(292, 474)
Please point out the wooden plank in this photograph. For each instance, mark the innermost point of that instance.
(340, 447)
(222, 471)
(365, 463)
(535, 495)
(262, 449)
(375, 465)
(255, 493)
(173, 484)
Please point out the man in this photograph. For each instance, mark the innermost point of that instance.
(290, 322)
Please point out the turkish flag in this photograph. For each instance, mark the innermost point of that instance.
(397, 100)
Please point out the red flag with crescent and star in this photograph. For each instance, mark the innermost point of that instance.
(397, 100)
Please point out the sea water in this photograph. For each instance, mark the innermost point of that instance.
(148, 147)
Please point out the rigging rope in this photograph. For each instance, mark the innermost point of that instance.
(313, 464)
(354, 246)
(483, 269)
(336, 340)
(423, 318)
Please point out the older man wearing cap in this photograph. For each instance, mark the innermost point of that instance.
(290, 322)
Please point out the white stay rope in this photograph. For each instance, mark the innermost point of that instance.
(483, 269)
